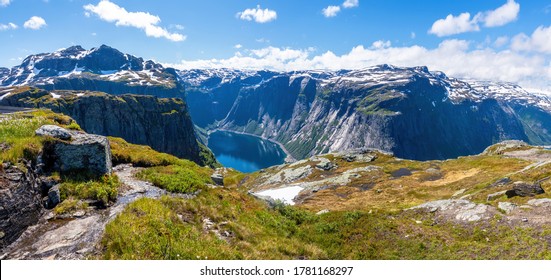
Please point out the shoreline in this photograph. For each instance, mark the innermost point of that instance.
(288, 159)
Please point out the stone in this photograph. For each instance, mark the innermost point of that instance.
(217, 178)
(524, 189)
(540, 202)
(508, 207)
(495, 196)
(459, 192)
(500, 182)
(54, 131)
(84, 152)
(458, 209)
(79, 214)
(325, 164)
(54, 197)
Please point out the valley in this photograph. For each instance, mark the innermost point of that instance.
(115, 157)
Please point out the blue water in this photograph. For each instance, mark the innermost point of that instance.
(244, 152)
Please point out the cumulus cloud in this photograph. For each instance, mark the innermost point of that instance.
(462, 23)
(502, 15)
(456, 58)
(454, 25)
(258, 15)
(9, 26)
(4, 3)
(351, 3)
(331, 11)
(34, 23)
(238, 46)
(147, 22)
(539, 41)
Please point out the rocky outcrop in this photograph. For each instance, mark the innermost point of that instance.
(459, 210)
(75, 151)
(162, 124)
(20, 202)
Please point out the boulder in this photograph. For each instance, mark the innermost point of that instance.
(496, 195)
(82, 152)
(524, 189)
(325, 164)
(217, 178)
(54, 131)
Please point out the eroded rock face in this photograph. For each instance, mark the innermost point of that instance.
(20, 202)
(83, 152)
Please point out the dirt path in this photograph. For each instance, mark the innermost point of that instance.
(77, 238)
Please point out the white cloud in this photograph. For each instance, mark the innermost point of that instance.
(34, 23)
(539, 41)
(238, 46)
(380, 44)
(456, 58)
(454, 25)
(258, 15)
(331, 11)
(4, 3)
(502, 15)
(9, 26)
(147, 22)
(351, 3)
(177, 26)
(501, 41)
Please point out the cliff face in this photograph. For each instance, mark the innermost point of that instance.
(412, 112)
(163, 124)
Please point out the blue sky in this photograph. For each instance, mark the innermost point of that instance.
(507, 40)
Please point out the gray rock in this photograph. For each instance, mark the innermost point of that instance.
(500, 182)
(54, 197)
(496, 195)
(54, 131)
(325, 164)
(218, 179)
(84, 152)
(458, 209)
(508, 207)
(540, 202)
(524, 189)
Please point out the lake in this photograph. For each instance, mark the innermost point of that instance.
(244, 152)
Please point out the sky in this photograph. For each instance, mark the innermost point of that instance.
(499, 40)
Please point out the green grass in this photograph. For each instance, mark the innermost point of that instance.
(104, 189)
(70, 205)
(17, 133)
(183, 178)
(172, 228)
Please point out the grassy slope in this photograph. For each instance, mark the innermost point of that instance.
(370, 225)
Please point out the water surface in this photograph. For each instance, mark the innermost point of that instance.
(244, 152)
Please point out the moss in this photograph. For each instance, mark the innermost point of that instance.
(79, 186)
(178, 178)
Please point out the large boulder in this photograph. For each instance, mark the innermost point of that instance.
(20, 202)
(54, 131)
(83, 152)
(524, 189)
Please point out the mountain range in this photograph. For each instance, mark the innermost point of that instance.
(410, 111)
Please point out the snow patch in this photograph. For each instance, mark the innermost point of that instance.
(286, 195)
(55, 95)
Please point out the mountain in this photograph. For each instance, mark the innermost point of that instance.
(98, 69)
(412, 112)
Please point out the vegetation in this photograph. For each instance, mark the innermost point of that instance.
(174, 228)
(104, 189)
(17, 133)
(182, 178)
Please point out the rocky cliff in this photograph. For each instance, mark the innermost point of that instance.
(162, 123)
(414, 113)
